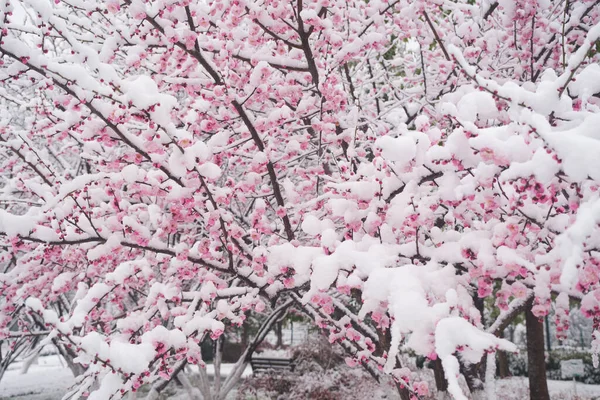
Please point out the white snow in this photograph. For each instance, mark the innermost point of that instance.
(49, 379)
(401, 150)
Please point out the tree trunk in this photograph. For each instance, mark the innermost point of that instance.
(382, 345)
(403, 391)
(472, 376)
(475, 373)
(32, 359)
(548, 337)
(218, 351)
(279, 334)
(536, 363)
(503, 371)
(69, 355)
(245, 335)
(441, 383)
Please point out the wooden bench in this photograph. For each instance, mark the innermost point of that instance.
(264, 364)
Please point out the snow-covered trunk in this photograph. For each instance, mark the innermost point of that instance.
(384, 343)
(217, 364)
(4, 360)
(3, 368)
(68, 355)
(205, 384)
(503, 371)
(279, 334)
(403, 392)
(441, 384)
(245, 335)
(32, 359)
(75, 368)
(235, 375)
(536, 363)
(14, 350)
(192, 392)
(473, 373)
(472, 377)
(490, 377)
(443, 396)
(152, 394)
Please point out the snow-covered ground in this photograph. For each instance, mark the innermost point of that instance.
(517, 389)
(49, 380)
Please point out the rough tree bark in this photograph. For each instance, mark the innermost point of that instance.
(536, 363)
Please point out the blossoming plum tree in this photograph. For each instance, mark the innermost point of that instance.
(169, 165)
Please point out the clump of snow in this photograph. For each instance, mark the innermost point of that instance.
(407, 291)
(62, 280)
(454, 332)
(315, 226)
(476, 105)
(400, 150)
(14, 225)
(143, 92)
